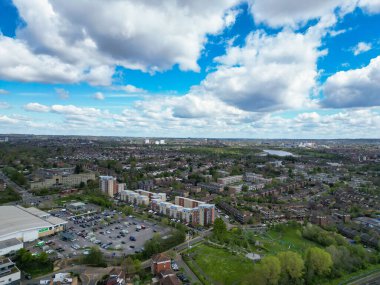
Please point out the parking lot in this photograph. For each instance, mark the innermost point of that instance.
(114, 233)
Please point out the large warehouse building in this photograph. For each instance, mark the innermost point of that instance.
(26, 224)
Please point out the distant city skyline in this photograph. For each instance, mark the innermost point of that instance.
(261, 69)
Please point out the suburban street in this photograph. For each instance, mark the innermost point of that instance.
(23, 192)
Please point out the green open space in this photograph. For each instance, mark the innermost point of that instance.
(220, 265)
(286, 238)
(94, 197)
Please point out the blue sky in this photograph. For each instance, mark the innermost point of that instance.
(225, 68)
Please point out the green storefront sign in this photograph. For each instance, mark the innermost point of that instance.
(43, 230)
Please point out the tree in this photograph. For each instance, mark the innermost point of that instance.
(244, 188)
(171, 254)
(357, 239)
(78, 169)
(132, 266)
(292, 266)
(94, 257)
(153, 246)
(220, 228)
(318, 262)
(34, 264)
(271, 268)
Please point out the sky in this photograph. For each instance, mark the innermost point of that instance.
(191, 68)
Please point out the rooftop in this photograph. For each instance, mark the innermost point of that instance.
(9, 242)
(15, 219)
(160, 257)
(35, 212)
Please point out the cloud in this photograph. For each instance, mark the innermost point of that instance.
(76, 47)
(335, 33)
(354, 88)
(4, 105)
(18, 63)
(7, 120)
(98, 96)
(293, 13)
(370, 6)
(3, 91)
(36, 107)
(74, 110)
(130, 89)
(63, 94)
(270, 72)
(164, 115)
(361, 47)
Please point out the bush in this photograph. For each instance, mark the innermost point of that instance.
(9, 195)
(33, 264)
(94, 258)
(322, 237)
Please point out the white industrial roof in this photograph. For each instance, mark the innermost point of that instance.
(78, 204)
(35, 212)
(15, 219)
(55, 221)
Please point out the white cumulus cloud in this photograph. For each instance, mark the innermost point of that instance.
(354, 88)
(361, 47)
(37, 107)
(99, 96)
(75, 46)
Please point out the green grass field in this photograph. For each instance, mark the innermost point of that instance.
(220, 265)
(289, 238)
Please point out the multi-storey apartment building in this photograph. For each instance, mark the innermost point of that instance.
(109, 185)
(9, 273)
(187, 202)
(187, 210)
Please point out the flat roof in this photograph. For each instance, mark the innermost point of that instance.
(16, 219)
(35, 212)
(78, 204)
(9, 242)
(55, 221)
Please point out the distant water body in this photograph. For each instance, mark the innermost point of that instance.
(278, 152)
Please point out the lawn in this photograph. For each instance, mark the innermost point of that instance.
(220, 265)
(288, 238)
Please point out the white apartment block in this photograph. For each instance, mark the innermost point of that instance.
(152, 195)
(185, 209)
(230, 179)
(133, 197)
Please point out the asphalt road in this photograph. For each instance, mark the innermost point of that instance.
(188, 271)
(22, 191)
